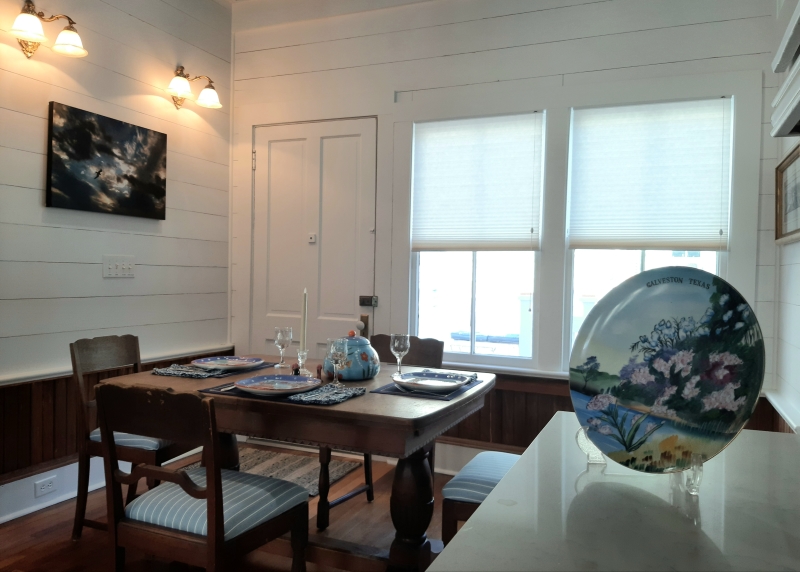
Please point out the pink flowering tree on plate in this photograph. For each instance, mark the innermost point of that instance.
(701, 372)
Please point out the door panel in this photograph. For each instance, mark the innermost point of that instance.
(313, 179)
(339, 236)
(284, 177)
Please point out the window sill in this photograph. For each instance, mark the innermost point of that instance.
(522, 371)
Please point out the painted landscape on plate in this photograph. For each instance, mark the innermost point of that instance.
(667, 365)
(95, 163)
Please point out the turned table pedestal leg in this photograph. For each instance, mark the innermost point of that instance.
(324, 507)
(412, 509)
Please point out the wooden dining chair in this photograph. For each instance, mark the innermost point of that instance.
(92, 356)
(206, 516)
(465, 492)
(426, 352)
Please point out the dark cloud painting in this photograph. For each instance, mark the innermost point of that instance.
(99, 164)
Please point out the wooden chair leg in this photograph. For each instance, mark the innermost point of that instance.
(119, 559)
(300, 538)
(449, 521)
(324, 507)
(83, 492)
(368, 477)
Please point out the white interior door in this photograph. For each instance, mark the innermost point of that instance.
(314, 228)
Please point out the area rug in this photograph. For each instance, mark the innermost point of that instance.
(299, 469)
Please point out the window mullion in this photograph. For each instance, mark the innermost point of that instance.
(472, 333)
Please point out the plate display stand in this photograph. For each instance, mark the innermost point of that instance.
(593, 455)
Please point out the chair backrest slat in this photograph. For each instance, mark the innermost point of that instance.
(155, 412)
(107, 352)
(424, 352)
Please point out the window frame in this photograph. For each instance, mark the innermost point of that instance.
(554, 260)
(513, 363)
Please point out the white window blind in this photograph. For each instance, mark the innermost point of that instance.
(651, 176)
(477, 184)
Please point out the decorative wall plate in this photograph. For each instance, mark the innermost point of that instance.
(668, 364)
(431, 381)
(228, 362)
(277, 384)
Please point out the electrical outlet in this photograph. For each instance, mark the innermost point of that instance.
(45, 486)
(118, 265)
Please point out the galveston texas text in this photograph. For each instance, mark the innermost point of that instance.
(678, 280)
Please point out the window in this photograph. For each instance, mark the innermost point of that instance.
(515, 231)
(596, 272)
(651, 176)
(475, 226)
(474, 304)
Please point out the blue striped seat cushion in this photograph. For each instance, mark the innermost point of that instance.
(247, 501)
(478, 478)
(128, 440)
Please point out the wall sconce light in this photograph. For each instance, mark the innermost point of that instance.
(180, 90)
(28, 30)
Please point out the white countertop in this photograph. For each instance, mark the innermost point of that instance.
(553, 512)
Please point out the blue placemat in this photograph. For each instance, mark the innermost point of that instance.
(328, 394)
(194, 372)
(392, 389)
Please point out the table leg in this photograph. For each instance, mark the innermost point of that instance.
(228, 452)
(411, 507)
(324, 507)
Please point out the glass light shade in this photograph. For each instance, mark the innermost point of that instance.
(28, 27)
(179, 87)
(209, 98)
(69, 44)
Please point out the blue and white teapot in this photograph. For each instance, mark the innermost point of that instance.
(362, 361)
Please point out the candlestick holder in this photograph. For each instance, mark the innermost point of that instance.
(302, 356)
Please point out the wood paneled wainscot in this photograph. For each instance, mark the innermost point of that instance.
(38, 420)
(516, 410)
(519, 407)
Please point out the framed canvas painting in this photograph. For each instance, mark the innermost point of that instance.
(95, 163)
(787, 198)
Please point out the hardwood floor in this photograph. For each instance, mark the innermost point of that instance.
(41, 541)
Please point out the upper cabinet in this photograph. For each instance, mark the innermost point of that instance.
(786, 105)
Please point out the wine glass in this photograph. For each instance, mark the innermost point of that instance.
(337, 353)
(399, 345)
(283, 338)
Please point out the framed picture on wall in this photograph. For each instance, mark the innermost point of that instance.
(95, 163)
(787, 197)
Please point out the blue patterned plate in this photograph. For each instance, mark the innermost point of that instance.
(228, 362)
(277, 384)
(431, 381)
(667, 369)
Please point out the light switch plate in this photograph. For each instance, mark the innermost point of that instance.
(119, 265)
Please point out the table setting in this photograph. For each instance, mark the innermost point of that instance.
(350, 358)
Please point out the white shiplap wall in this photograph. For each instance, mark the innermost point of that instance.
(361, 64)
(786, 392)
(51, 288)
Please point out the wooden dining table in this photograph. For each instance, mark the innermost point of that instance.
(398, 426)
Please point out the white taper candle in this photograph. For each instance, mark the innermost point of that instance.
(304, 320)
